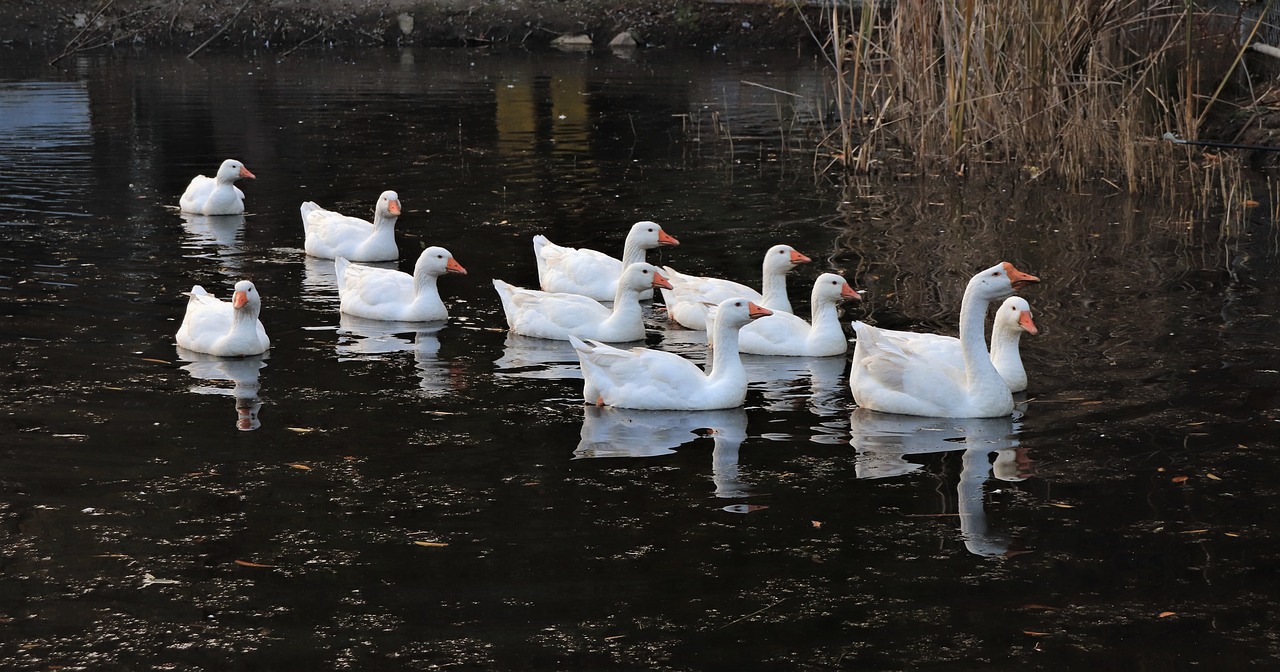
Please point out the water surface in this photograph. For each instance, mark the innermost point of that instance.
(163, 510)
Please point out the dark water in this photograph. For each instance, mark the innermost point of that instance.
(1124, 519)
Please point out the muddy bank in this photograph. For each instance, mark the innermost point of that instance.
(58, 26)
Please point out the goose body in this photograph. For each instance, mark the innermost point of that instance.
(656, 380)
(217, 195)
(224, 328)
(1012, 319)
(391, 295)
(902, 376)
(789, 335)
(330, 235)
(556, 315)
(595, 274)
(689, 294)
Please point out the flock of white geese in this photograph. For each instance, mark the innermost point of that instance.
(901, 372)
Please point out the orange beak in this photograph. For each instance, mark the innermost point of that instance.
(665, 239)
(847, 292)
(1025, 320)
(244, 172)
(454, 267)
(393, 207)
(660, 281)
(797, 258)
(239, 299)
(1018, 278)
(755, 311)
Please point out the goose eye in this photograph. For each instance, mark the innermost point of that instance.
(995, 273)
(645, 271)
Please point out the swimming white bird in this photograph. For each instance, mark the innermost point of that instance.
(557, 315)
(389, 294)
(689, 294)
(1012, 319)
(896, 376)
(595, 274)
(657, 380)
(216, 195)
(330, 235)
(225, 329)
(789, 335)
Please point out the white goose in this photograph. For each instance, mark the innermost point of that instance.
(595, 274)
(225, 329)
(557, 315)
(657, 380)
(896, 376)
(686, 300)
(216, 195)
(789, 335)
(330, 235)
(1013, 318)
(392, 295)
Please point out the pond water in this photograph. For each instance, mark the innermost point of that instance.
(373, 496)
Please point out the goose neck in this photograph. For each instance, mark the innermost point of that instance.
(774, 291)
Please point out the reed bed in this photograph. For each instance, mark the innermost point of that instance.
(1081, 90)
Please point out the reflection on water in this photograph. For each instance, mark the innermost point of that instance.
(884, 441)
(364, 339)
(222, 232)
(242, 372)
(529, 357)
(620, 432)
(815, 384)
(45, 148)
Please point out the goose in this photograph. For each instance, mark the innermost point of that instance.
(595, 274)
(224, 328)
(788, 335)
(217, 195)
(655, 380)
(686, 300)
(900, 376)
(557, 315)
(330, 234)
(392, 295)
(1013, 318)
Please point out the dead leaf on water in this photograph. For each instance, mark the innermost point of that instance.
(610, 638)
(1060, 505)
(1212, 477)
(1179, 479)
(1034, 633)
(431, 544)
(816, 523)
(300, 466)
(1231, 534)
(155, 361)
(1194, 531)
(1090, 403)
(1167, 614)
(300, 430)
(246, 563)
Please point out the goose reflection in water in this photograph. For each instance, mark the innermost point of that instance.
(320, 280)
(363, 339)
(528, 357)
(799, 383)
(884, 440)
(223, 232)
(241, 371)
(609, 431)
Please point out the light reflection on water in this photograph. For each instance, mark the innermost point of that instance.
(1157, 362)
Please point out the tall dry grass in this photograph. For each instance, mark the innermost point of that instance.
(1079, 89)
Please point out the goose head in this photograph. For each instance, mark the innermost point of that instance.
(245, 298)
(232, 170)
(388, 204)
(1015, 314)
(999, 281)
(642, 276)
(734, 313)
(832, 288)
(649, 235)
(780, 259)
(437, 261)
